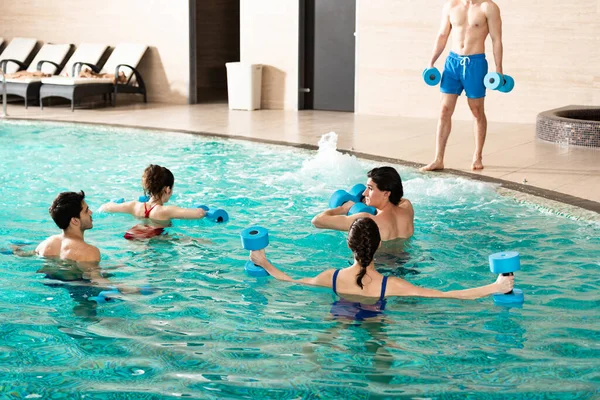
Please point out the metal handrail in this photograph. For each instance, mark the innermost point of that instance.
(4, 114)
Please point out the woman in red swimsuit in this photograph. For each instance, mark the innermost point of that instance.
(361, 289)
(158, 183)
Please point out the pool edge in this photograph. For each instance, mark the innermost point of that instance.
(545, 194)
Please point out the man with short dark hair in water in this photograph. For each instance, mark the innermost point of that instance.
(71, 213)
(81, 268)
(470, 22)
(395, 215)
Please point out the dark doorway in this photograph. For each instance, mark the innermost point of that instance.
(327, 54)
(214, 41)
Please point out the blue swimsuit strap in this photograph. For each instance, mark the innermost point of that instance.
(383, 285)
(335, 274)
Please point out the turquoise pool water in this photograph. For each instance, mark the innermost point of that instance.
(210, 331)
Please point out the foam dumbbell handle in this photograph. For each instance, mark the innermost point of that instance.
(361, 207)
(432, 76)
(340, 197)
(508, 274)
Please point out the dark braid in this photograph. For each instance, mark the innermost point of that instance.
(155, 178)
(363, 240)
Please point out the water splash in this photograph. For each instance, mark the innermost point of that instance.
(328, 169)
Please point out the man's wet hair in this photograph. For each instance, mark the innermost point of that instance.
(65, 206)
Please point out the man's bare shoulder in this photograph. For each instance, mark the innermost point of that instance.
(82, 252)
(449, 4)
(50, 246)
(488, 6)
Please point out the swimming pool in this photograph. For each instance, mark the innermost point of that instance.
(212, 332)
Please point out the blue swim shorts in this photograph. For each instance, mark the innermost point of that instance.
(464, 72)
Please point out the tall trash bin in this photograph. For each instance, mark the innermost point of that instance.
(244, 85)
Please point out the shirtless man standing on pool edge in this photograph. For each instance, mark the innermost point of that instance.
(470, 22)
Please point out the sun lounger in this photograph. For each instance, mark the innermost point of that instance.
(46, 62)
(15, 55)
(123, 60)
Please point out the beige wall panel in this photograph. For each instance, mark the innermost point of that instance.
(162, 25)
(269, 36)
(552, 49)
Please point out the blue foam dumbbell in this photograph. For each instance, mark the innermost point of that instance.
(106, 295)
(340, 197)
(506, 263)
(255, 238)
(215, 214)
(431, 76)
(493, 80)
(357, 191)
(362, 207)
(496, 81)
(509, 84)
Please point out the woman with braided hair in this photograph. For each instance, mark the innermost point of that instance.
(361, 288)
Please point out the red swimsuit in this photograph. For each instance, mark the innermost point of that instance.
(144, 231)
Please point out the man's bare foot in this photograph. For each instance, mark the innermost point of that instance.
(477, 164)
(434, 166)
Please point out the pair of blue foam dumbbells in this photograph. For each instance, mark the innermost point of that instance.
(355, 194)
(506, 263)
(492, 80)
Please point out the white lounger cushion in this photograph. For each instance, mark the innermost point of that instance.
(67, 80)
(90, 53)
(126, 53)
(49, 52)
(18, 49)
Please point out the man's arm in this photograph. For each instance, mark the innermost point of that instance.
(443, 35)
(495, 25)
